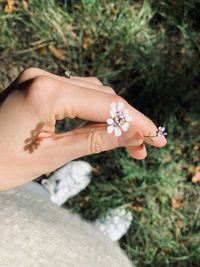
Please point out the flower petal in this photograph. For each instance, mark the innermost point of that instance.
(125, 126)
(110, 129)
(112, 113)
(126, 112)
(110, 121)
(117, 131)
(128, 118)
(113, 106)
(120, 106)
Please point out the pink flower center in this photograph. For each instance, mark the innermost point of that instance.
(119, 118)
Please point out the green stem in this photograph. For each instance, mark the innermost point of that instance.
(149, 136)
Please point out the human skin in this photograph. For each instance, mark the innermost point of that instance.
(29, 108)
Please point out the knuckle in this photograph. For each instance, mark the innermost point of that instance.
(95, 80)
(41, 80)
(109, 89)
(41, 87)
(28, 74)
(116, 98)
(95, 143)
(31, 70)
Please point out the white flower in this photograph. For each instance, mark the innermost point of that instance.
(120, 119)
(161, 131)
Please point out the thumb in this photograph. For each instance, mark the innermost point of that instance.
(89, 140)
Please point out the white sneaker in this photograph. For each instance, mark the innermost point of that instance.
(115, 224)
(68, 181)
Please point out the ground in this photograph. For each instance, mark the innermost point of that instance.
(148, 51)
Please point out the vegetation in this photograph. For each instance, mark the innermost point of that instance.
(149, 52)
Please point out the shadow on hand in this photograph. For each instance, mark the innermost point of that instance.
(33, 142)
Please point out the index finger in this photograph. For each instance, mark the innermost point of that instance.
(75, 101)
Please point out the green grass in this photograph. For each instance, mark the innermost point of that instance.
(160, 235)
(149, 52)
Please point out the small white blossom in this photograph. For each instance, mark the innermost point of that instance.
(161, 131)
(120, 119)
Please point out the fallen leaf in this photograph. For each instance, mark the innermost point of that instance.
(191, 169)
(25, 5)
(167, 157)
(96, 169)
(88, 32)
(177, 203)
(179, 224)
(10, 6)
(78, 6)
(197, 147)
(196, 158)
(167, 249)
(86, 43)
(42, 50)
(196, 176)
(177, 150)
(136, 208)
(113, 9)
(57, 52)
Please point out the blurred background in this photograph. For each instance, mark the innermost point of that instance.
(149, 52)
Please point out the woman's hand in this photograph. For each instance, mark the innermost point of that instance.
(29, 146)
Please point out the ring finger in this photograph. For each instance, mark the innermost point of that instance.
(87, 82)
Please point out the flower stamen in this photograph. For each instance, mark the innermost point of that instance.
(120, 119)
